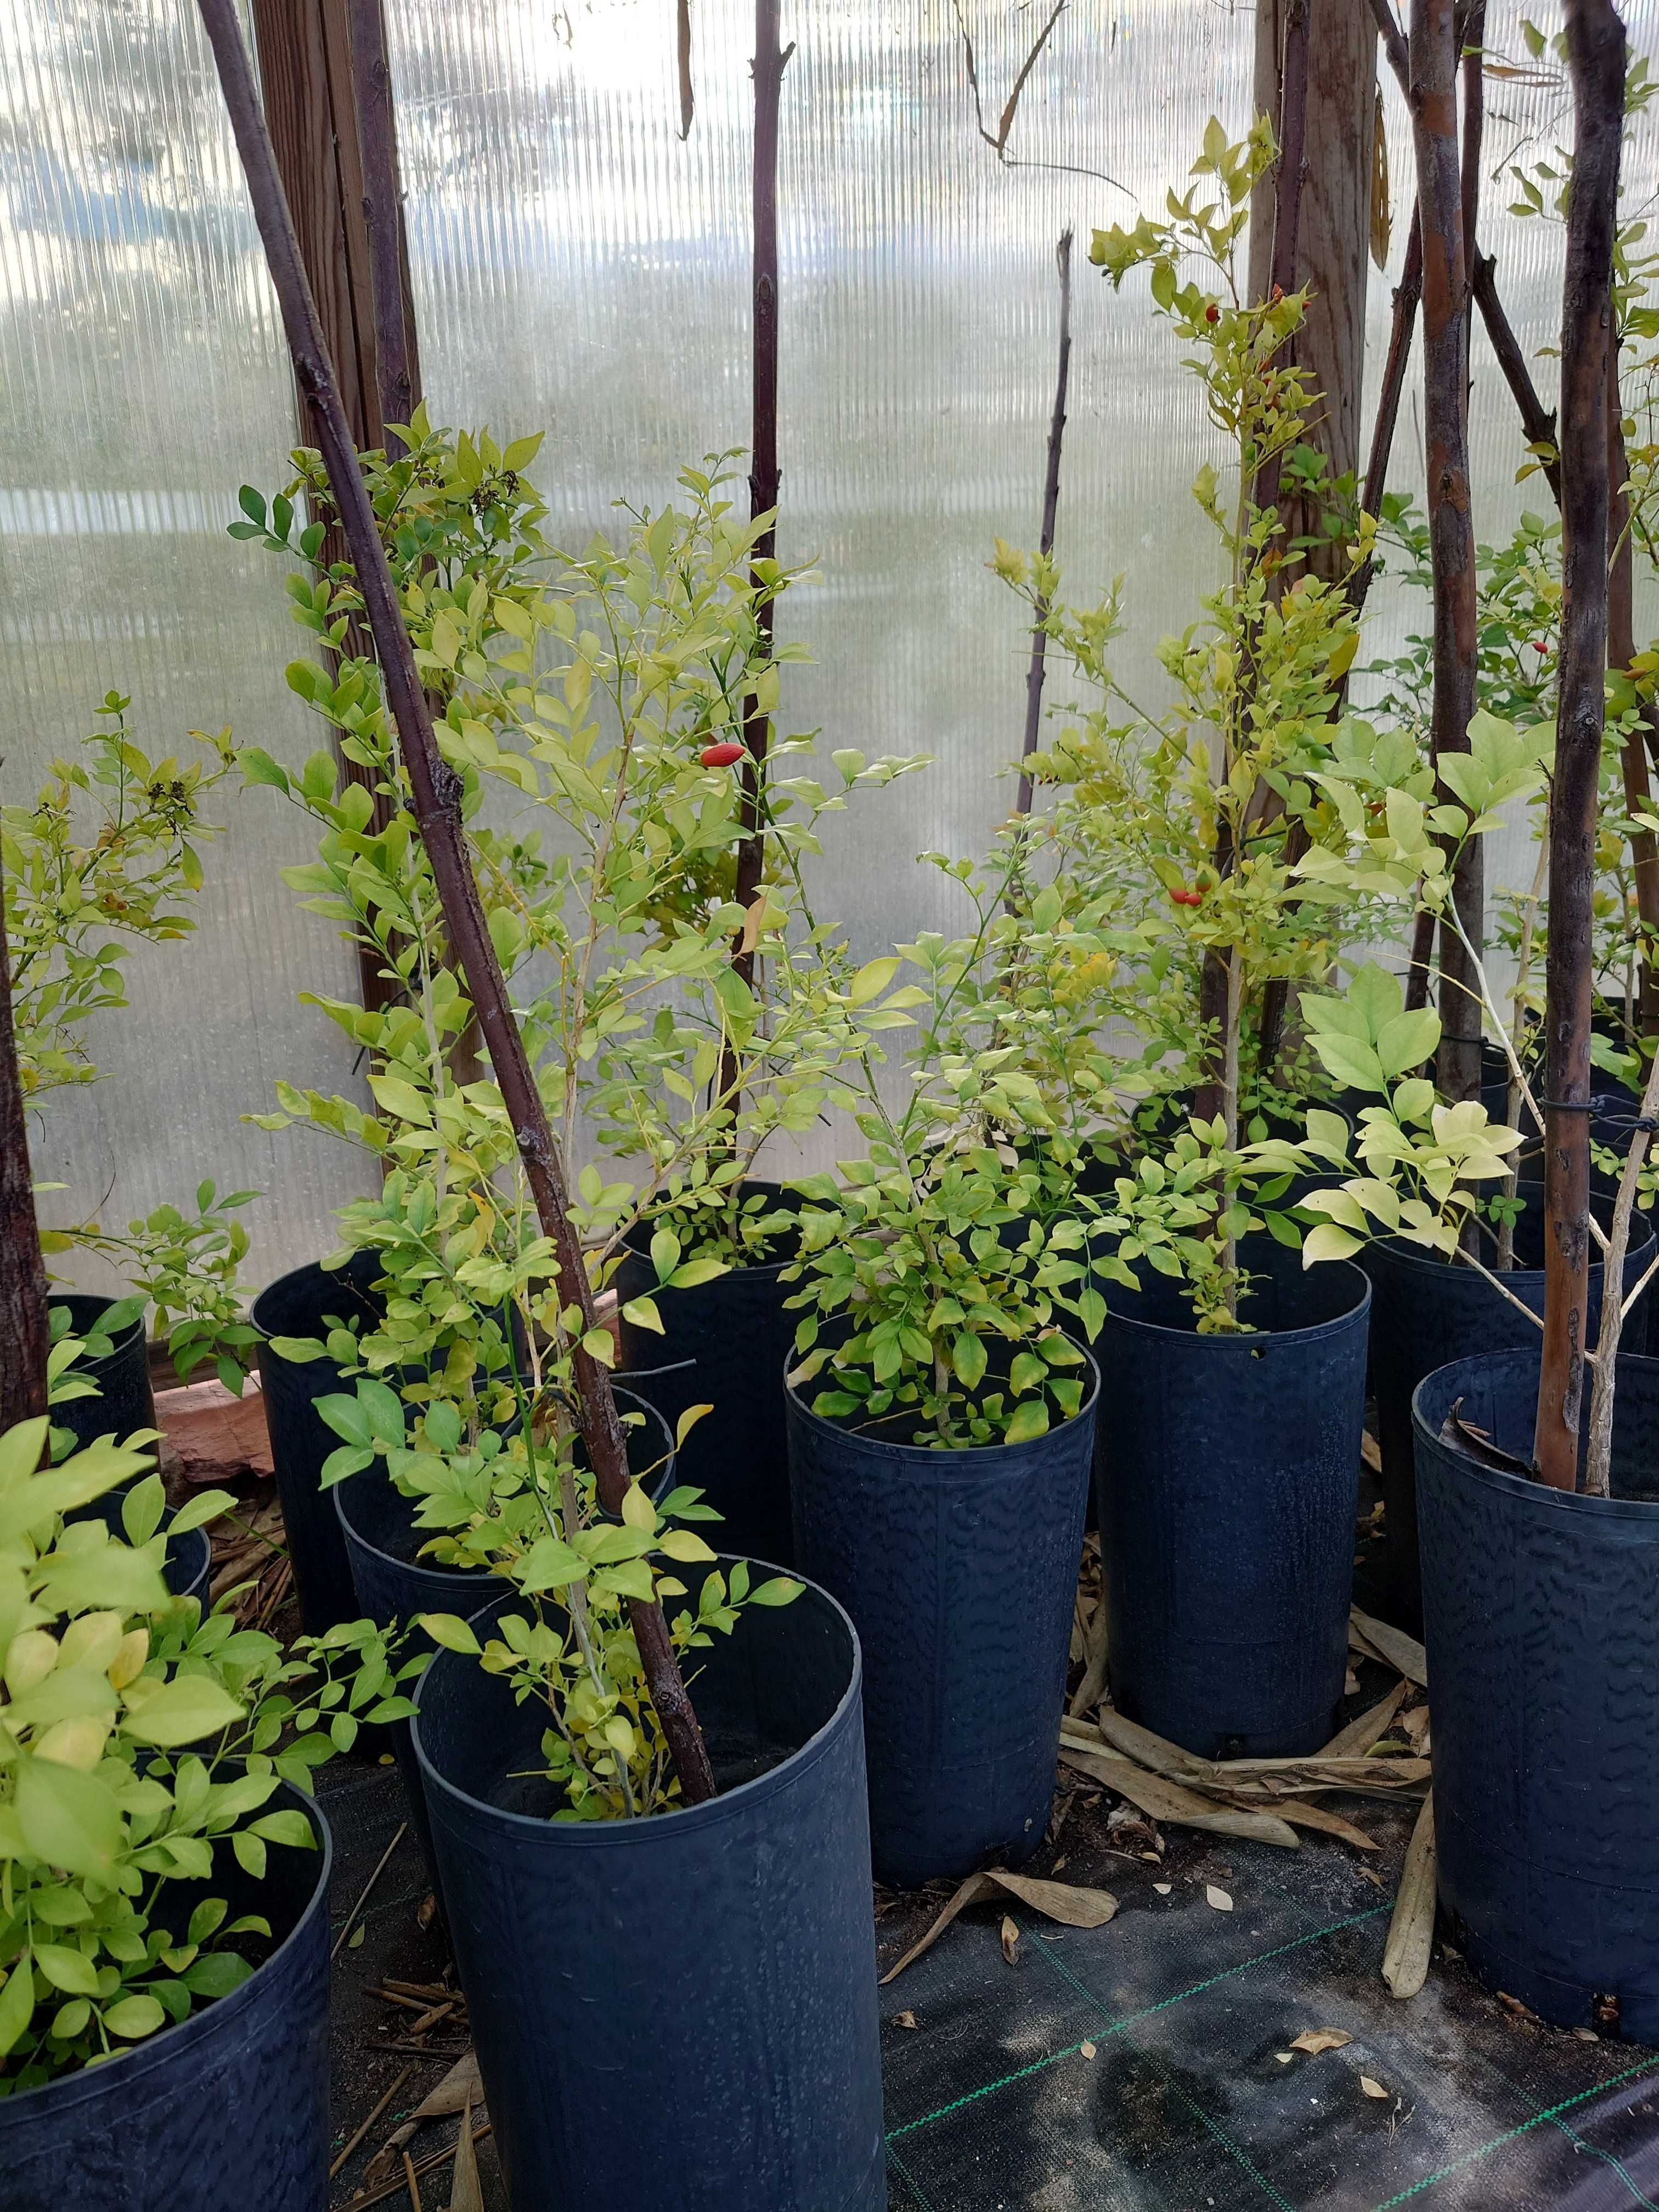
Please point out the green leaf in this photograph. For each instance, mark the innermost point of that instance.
(969, 1359)
(219, 1973)
(1407, 1040)
(1031, 1419)
(17, 2004)
(872, 979)
(134, 2017)
(1328, 1242)
(69, 1818)
(347, 1417)
(779, 1590)
(66, 1970)
(449, 1629)
(288, 1826)
(185, 1709)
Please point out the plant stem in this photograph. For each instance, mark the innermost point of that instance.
(1517, 1086)
(769, 63)
(25, 1326)
(1595, 54)
(437, 789)
(1050, 507)
(1406, 294)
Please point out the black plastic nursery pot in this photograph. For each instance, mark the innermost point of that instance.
(228, 2108)
(1427, 1310)
(677, 2012)
(393, 1584)
(959, 1570)
(294, 1305)
(1540, 1618)
(1228, 1474)
(724, 1345)
(124, 1401)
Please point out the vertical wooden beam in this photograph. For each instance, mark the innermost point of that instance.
(324, 116)
(1334, 218)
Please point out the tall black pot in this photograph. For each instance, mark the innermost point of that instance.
(1227, 1472)
(681, 2011)
(393, 1584)
(1614, 1104)
(230, 2107)
(724, 1345)
(124, 1401)
(1426, 1311)
(294, 1305)
(959, 1569)
(1540, 1618)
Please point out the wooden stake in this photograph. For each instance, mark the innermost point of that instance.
(397, 363)
(436, 791)
(1050, 509)
(1596, 58)
(25, 1327)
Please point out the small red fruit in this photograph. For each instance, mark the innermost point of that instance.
(720, 756)
(1213, 313)
(1541, 645)
(1188, 898)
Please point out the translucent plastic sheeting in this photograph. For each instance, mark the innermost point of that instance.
(143, 379)
(578, 267)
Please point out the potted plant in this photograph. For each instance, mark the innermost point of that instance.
(163, 2013)
(939, 1468)
(642, 1028)
(1228, 1472)
(1535, 1465)
(104, 859)
(579, 2113)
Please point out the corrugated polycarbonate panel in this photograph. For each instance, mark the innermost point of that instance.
(581, 269)
(141, 381)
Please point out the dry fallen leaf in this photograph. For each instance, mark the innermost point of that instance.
(1313, 2040)
(1057, 1865)
(1587, 2035)
(1010, 1939)
(1411, 1930)
(1087, 2049)
(1164, 1887)
(1284, 2057)
(1219, 1898)
(1372, 2088)
(466, 2191)
(905, 2020)
(1072, 1905)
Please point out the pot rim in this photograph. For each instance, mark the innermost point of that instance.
(1407, 1255)
(960, 1455)
(1541, 1497)
(679, 1820)
(1359, 1311)
(750, 1269)
(143, 2057)
(124, 1341)
(473, 1576)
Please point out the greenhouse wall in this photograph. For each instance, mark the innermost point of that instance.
(581, 269)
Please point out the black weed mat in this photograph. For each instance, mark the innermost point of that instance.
(1131, 2068)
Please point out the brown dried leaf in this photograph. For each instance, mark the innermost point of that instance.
(1391, 1645)
(1372, 2088)
(1313, 2040)
(1010, 1939)
(1164, 1887)
(1218, 1898)
(1169, 1801)
(466, 2191)
(1370, 1451)
(905, 2020)
(1360, 1735)
(1411, 1931)
(1302, 1815)
(1086, 2049)
(1070, 1904)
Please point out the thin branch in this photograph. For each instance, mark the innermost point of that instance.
(25, 1325)
(1395, 48)
(436, 791)
(1406, 294)
(1050, 509)
(683, 55)
(1537, 420)
(1005, 124)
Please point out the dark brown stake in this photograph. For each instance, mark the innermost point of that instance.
(1050, 509)
(1596, 58)
(1433, 96)
(1406, 294)
(771, 62)
(396, 365)
(24, 1330)
(682, 60)
(436, 790)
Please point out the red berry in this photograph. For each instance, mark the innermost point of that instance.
(1213, 313)
(720, 756)
(1188, 898)
(1541, 645)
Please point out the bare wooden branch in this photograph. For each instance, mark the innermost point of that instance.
(1596, 56)
(1051, 510)
(1408, 293)
(1395, 47)
(25, 1327)
(436, 791)
(682, 62)
(1537, 420)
